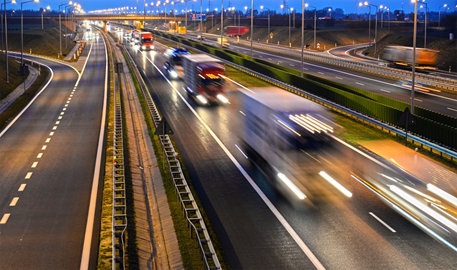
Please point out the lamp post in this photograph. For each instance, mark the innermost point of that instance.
(182, 1)
(14, 2)
(425, 26)
(288, 11)
(302, 34)
(268, 34)
(22, 30)
(158, 12)
(414, 56)
(222, 22)
(66, 22)
(60, 25)
(42, 10)
(252, 24)
(382, 14)
(330, 12)
(369, 24)
(306, 5)
(144, 12)
(389, 18)
(6, 40)
(439, 14)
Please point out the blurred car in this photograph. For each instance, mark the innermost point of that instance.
(173, 62)
(425, 87)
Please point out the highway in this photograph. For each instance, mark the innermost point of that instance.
(442, 102)
(49, 173)
(257, 226)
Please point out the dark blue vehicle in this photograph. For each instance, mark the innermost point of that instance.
(173, 62)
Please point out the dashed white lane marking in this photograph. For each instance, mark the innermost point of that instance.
(5, 218)
(14, 201)
(420, 100)
(321, 73)
(22, 187)
(452, 109)
(62, 113)
(67, 102)
(339, 78)
(34, 164)
(57, 122)
(39, 155)
(71, 95)
(29, 174)
(382, 222)
(54, 128)
(44, 147)
(60, 117)
(359, 83)
(385, 90)
(270, 59)
(64, 109)
(52, 133)
(66, 105)
(48, 140)
(305, 68)
(69, 98)
(292, 65)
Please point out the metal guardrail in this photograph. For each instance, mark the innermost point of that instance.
(414, 138)
(119, 193)
(190, 208)
(443, 83)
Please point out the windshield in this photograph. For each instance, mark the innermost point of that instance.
(177, 60)
(147, 40)
(207, 82)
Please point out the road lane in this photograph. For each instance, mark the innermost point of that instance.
(339, 231)
(60, 132)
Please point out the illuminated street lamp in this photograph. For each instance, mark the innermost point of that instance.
(60, 26)
(261, 7)
(66, 20)
(369, 24)
(381, 7)
(182, 1)
(439, 14)
(425, 30)
(306, 5)
(22, 31)
(414, 57)
(6, 40)
(43, 10)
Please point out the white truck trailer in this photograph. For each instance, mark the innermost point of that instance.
(286, 136)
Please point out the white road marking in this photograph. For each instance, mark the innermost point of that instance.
(48, 140)
(416, 99)
(66, 105)
(14, 201)
(292, 65)
(68, 101)
(64, 109)
(359, 83)
(279, 61)
(60, 117)
(69, 98)
(29, 174)
(269, 58)
(339, 78)
(39, 155)
(62, 113)
(54, 128)
(34, 164)
(385, 90)
(5, 218)
(71, 95)
(44, 147)
(321, 73)
(22, 187)
(382, 222)
(452, 109)
(93, 196)
(270, 205)
(52, 133)
(57, 122)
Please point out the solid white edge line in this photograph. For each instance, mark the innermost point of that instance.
(270, 205)
(93, 196)
(382, 222)
(452, 109)
(30, 103)
(44, 58)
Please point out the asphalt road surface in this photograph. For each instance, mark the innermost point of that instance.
(47, 165)
(259, 227)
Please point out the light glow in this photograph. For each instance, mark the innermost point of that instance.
(202, 99)
(335, 184)
(222, 98)
(291, 185)
(443, 194)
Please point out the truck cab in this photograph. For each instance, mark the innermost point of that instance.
(146, 41)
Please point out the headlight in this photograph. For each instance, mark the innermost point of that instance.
(222, 98)
(173, 74)
(202, 99)
(143, 47)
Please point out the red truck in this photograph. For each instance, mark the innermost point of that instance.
(236, 30)
(204, 79)
(146, 41)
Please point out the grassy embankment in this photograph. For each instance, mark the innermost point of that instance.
(15, 80)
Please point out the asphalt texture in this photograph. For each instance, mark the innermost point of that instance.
(51, 149)
(260, 227)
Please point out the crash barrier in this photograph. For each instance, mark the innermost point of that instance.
(188, 204)
(437, 128)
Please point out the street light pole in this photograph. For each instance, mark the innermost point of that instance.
(425, 26)
(60, 26)
(22, 30)
(369, 22)
(306, 5)
(302, 34)
(439, 14)
(414, 57)
(6, 41)
(252, 24)
(222, 22)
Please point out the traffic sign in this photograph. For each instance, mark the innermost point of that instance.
(163, 128)
(318, 45)
(198, 17)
